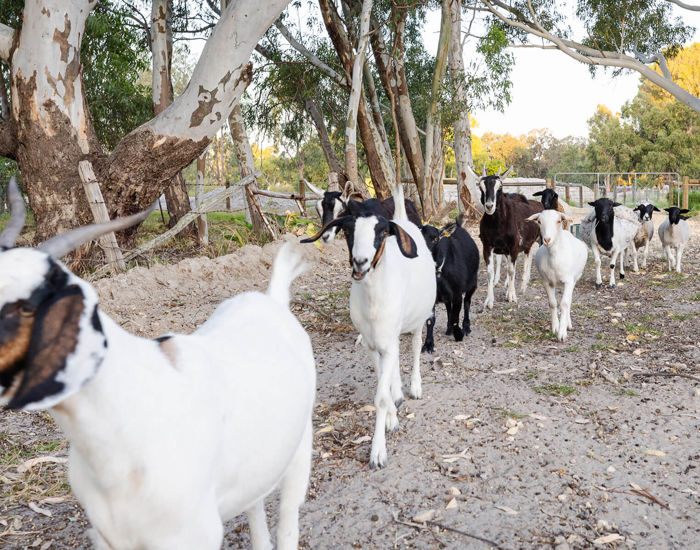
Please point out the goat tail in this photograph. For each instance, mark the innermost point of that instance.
(399, 203)
(288, 265)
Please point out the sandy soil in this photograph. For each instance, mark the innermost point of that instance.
(519, 441)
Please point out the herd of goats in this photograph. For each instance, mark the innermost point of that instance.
(171, 436)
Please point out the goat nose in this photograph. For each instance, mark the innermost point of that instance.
(360, 262)
(547, 241)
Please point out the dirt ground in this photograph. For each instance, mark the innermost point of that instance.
(518, 442)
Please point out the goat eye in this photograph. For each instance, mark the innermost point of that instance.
(26, 310)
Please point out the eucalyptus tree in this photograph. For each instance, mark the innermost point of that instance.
(49, 129)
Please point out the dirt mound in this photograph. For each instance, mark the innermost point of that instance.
(179, 297)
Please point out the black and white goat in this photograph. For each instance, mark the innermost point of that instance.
(674, 233)
(644, 233)
(456, 259)
(609, 229)
(336, 205)
(504, 229)
(169, 437)
(393, 293)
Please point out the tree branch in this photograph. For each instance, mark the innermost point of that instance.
(591, 56)
(298, 46)
(655, 58)
(684, 5)
(7, 35)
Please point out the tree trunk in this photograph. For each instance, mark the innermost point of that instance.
(202, 228)
(177, 198)
(394, 79)
(341, 43)
(433, 133)
(462, 131)
(246, 166)
(326, 145)
(356, 96)
(52, 125)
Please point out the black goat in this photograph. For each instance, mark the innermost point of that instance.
(456, 265)
(550, 201)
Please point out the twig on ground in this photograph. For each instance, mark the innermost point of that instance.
(318, 310)
(668, 374)
(446, 528)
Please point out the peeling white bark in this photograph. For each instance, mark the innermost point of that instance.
(218, 80)
(7, 35)
(160, 76)
(355, 93)
(52, 63)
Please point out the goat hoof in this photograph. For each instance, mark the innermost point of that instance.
(467, 331)
(448, 331)
(398, 402)
(415, 393)
(622, 275)
(598, 286)
(612, 285)
(428, 347)
(378, 461)
(458, 333)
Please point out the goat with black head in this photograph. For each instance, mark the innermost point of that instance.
(231, 433)
(392, 293)
(674, 233)
(504, 229)
(550, 201)
(609, 230)
(456, 265)
(337, 205)
(644, 233)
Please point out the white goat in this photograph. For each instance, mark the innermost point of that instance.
(393, 293)
(609, 229)
(561, 260)
(674, 233)
(169, 437)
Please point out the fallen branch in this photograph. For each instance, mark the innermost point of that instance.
(318, 310)
(668, 374)
(181, 224)
(423, 525)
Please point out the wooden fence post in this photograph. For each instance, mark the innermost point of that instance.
(98, 208)
(202, 227)
(686, 191)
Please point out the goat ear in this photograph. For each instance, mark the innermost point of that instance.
(667, 209)
(333, 223)
(538, 194)
(45, 380)
(407, 245)
(684, 210)
(591, 203)
(533, 218)
(656, 209)
(616, 204)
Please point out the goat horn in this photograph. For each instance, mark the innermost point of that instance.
(499, 171)
(62, 244)
(483, 172)
(18, 213)
(504, 176)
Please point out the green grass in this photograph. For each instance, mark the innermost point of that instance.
(571, 349)
(630, 393)
(696, 298)
(555, 390)
(681, 316)
(507, 413)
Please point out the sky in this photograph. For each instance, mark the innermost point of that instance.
(552, 90)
